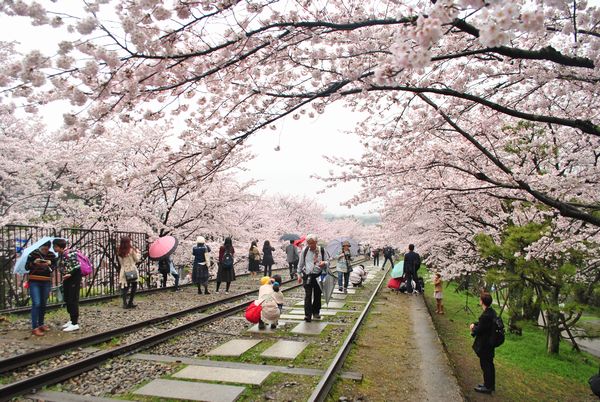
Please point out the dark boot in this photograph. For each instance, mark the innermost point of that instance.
(132, 295)
(206, 292)
(124, 297)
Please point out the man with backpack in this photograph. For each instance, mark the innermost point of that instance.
(388, 254)
(312, 263)
(483, 331)
(166, 267)
(70, 268)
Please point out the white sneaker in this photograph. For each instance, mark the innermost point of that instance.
(68, 324)
(71, 328)
(226, 292)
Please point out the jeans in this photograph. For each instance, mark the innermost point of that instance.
(376, 260)
(386, 259)
(312, 295)
(39, 292)
(343, 277)
(268, 270)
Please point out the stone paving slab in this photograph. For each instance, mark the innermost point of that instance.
(267, 329)
(309, 328)
(331, 304)
(322, 312)
(334, 304)
(292, 316)
(54, 396)
(223, 374)
(337, 296)
(352, 375)
(285, 349)
(193, 391)
(350, 291)
(234, 347)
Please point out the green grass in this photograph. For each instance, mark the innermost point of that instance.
(524, 369)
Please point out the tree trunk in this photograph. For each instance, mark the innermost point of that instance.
(531, 305)
(553, 323)
(515, 306)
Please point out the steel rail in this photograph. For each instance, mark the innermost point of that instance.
(96, 299)
(62, 373)
(25, 359)
(324, 386)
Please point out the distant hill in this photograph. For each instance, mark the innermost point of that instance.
(364, 219)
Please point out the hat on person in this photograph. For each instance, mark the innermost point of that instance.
(346, 243)
(311, 236)
(264, 280)
(200, 240)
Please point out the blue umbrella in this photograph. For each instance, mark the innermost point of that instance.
(20, 264)
(398, 270)
(289, 236)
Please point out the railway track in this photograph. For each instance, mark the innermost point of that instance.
(226, 307)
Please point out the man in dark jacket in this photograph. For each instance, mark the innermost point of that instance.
(483, 346)
(388, 254)
(412, 263)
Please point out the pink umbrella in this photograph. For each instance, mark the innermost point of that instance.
(299, 241)
(162, 247)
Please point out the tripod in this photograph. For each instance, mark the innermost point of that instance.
(466, 307)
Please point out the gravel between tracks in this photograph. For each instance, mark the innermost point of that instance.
(121, 375)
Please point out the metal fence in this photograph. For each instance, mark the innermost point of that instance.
(99, 245)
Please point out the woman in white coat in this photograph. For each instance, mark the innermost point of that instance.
(128, 258)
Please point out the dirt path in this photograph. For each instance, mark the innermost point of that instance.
(400, 356)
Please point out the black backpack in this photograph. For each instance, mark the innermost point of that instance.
(498, 334)
(594, 382)
(227, 260)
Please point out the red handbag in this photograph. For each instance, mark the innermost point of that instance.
(253, 312)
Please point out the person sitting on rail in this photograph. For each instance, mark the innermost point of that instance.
(270, 311)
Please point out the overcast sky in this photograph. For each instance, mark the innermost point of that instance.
(303, 143)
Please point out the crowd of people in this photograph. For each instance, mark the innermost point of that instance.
(308, 264)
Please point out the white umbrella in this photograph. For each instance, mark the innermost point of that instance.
(22, 261)
(334, 247)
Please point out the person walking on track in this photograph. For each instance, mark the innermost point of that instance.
(226, 273)
(128, 257)
(200, 273)
(312, 263)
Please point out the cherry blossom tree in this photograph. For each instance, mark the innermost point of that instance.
(465, 67)
(469, 103)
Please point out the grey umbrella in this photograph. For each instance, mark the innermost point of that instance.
(289, 236)
(327, 285)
